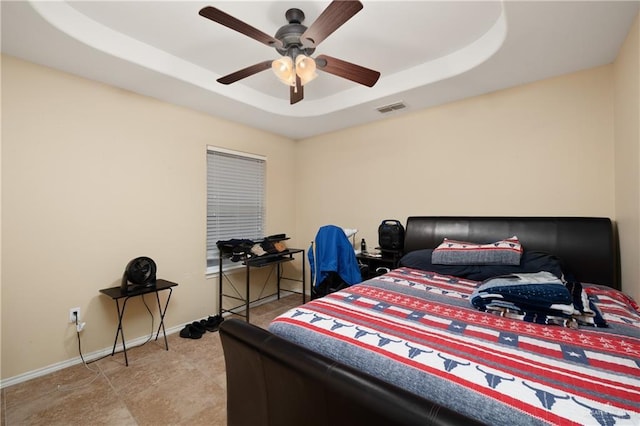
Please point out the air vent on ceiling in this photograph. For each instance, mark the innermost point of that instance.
(391, 107)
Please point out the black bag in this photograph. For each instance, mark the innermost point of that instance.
(391, 235)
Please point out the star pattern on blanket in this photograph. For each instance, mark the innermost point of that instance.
(629, 348)
(457, 326)
(574, 354)
(510, 339)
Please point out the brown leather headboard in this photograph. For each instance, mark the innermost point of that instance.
(586, 245)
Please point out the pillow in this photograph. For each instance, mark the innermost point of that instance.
(531, 261)
(421, 259)
(453, 252)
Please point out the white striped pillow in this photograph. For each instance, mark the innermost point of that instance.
(453, 252)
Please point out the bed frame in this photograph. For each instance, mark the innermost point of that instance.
(271, 381)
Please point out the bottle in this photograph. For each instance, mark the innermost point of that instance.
(363, 246)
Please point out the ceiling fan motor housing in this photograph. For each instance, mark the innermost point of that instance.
(290, 34)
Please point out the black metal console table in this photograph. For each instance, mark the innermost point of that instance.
(273, 260)
(116, 294)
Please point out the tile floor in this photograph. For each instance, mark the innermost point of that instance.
(182, 386)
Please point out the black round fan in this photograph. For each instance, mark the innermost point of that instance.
(140, 272)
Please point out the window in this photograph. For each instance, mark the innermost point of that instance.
(235, 198)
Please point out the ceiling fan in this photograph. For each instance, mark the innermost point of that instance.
(296, 43)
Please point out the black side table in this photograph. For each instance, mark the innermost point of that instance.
(385, 260)
(116, 294)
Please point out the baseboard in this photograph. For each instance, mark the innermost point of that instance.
(107, 351)
(78, 360)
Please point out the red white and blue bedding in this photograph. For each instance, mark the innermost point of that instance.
(418, 330)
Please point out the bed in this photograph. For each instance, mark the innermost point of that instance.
(407, 347)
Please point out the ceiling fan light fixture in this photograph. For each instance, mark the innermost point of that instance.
(286, 71)
(305, 69)
(283, 69)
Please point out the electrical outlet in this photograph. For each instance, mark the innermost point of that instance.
(74, 314)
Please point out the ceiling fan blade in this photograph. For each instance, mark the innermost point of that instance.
(347, 70)
(296, 93)
(332, 18)
(245, 72)
(229, 21)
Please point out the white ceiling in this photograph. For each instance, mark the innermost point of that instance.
(428, 52)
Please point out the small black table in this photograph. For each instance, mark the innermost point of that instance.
(384, 260)
(116, 294)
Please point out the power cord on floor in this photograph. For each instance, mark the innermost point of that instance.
(97, 372)
(80, 327)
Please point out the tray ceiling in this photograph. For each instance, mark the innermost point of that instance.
(428, 52)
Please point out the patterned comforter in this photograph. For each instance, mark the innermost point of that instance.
(417, 330)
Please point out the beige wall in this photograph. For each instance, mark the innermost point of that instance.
(93, 176)
(541, 149)
(626, 71)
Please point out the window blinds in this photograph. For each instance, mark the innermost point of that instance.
(235, 198)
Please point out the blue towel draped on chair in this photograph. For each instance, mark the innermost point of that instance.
(332, 252)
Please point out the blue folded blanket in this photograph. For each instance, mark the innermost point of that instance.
(539, 297)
